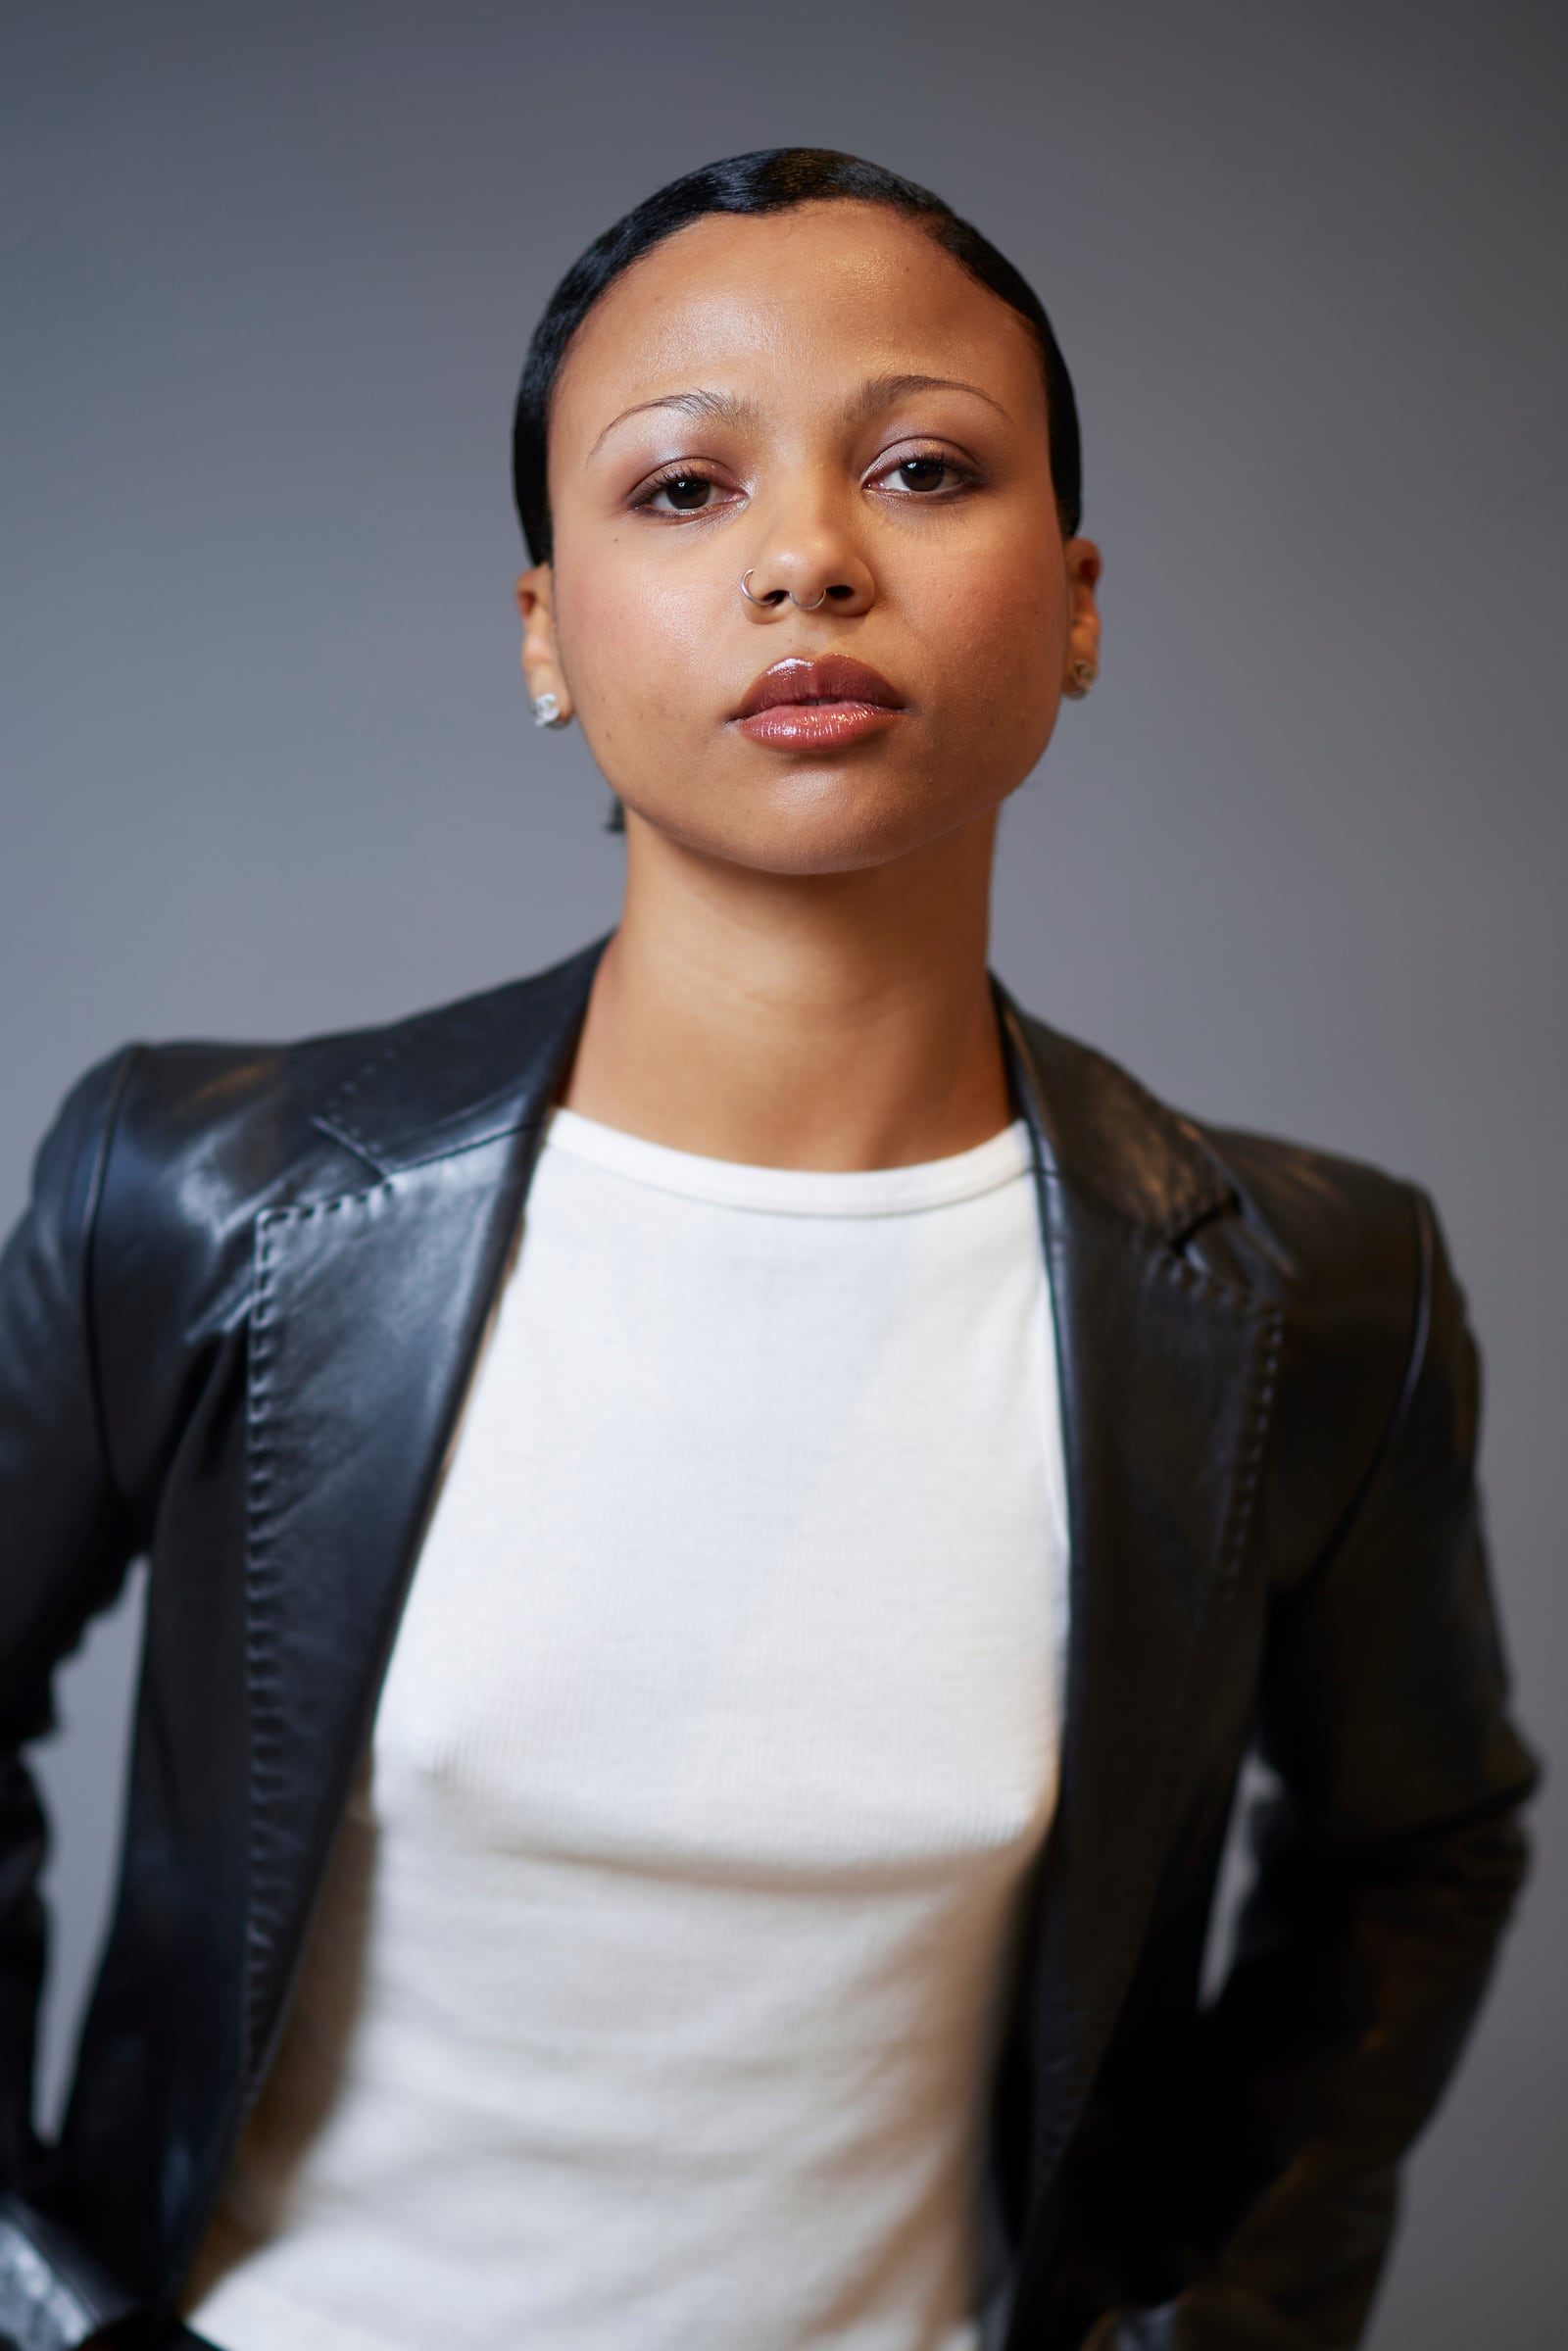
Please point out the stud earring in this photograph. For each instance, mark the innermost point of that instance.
(546, 710)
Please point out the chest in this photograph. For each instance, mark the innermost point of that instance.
(750, 1550)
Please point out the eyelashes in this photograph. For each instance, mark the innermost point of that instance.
(678, 482)
(929, 462)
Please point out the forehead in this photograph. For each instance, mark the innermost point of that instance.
(795, 302)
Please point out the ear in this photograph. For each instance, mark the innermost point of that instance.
(541, 658)
(1084, 566)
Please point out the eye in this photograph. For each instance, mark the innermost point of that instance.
(681, 492)
(925, 474)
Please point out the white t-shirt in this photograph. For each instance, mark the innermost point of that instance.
(653, 1997)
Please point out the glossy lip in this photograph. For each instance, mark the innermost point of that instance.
(801, 705)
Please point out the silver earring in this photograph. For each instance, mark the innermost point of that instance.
(1080, 677)
(546, 710)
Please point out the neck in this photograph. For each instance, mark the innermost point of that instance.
(839, 1020)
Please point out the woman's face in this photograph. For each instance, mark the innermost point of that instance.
(824, 400)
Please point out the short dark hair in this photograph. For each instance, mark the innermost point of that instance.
(770, 179)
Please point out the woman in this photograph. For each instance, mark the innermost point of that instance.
(870, 1468)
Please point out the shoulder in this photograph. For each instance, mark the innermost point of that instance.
(151, 1180)
(1311, 1220)
(1353, 1258)
(1343, 1260)
(1289, 1218)
(253, 1124)
(182, 1142)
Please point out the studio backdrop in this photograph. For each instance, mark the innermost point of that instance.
(1299, 861)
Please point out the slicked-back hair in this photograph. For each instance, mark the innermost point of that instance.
(770, 179)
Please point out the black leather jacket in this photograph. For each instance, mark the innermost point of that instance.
(234, 1330)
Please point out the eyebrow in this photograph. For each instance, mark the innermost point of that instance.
(883, 391)
(724, 407)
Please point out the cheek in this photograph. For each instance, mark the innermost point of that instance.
(996, 636)
(630, 641)
(992, 605)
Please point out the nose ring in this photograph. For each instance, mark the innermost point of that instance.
(775, 594)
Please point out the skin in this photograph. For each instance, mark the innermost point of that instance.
(798, 974)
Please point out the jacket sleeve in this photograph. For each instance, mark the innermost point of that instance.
(1386, 1869)
(64, 1548)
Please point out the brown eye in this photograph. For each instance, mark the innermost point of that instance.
(687, 492)
(921, 472)
(927, 474)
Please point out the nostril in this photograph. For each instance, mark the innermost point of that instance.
(841, 590)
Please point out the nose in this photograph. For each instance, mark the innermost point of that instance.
(809, 568)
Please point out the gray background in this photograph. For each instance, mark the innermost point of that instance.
(269, 274)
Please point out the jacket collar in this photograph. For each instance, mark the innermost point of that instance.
(473, 1071)
(1096, 1128)
(464, 1074)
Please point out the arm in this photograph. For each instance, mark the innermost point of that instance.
(1387, 1867)
(64, 1548)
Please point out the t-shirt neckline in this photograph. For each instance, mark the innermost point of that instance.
(796, 1190)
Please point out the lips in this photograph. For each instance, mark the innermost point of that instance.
(798, 704)
(832, 678)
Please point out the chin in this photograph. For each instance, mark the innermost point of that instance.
(822, 819)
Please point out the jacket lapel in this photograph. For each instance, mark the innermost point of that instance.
(1166, 1378)
(369, 1308)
